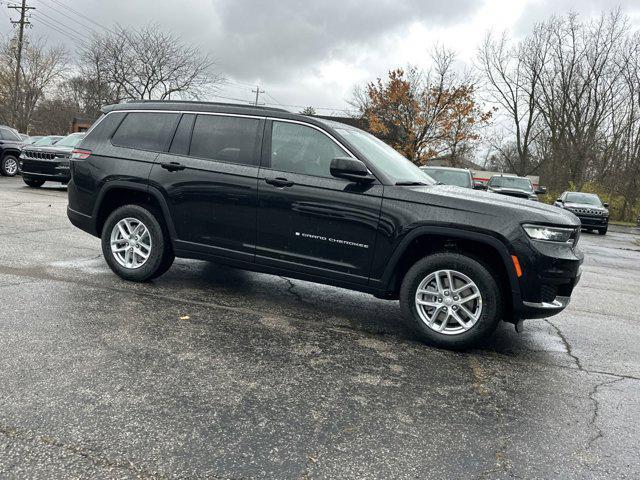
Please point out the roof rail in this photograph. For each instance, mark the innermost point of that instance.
(222, 104)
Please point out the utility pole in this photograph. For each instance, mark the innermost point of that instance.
(21, 24)
(257, 91)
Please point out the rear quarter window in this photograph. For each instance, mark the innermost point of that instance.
(145, 130)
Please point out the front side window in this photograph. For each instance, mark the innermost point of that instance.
(225, 139)
(300, 149)
(145, 130)
(9, 135)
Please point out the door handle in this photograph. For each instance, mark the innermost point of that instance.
(279, 182)
(172, 166)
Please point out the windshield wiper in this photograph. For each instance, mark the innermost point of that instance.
(410, 182)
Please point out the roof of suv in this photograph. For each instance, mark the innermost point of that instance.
(453, 169)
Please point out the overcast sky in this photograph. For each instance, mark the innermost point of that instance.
(308, 52)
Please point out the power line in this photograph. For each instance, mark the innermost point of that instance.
(73, 37)
(62, 24)
(67, 7)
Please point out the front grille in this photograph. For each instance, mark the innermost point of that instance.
(36, 155)
(587, 211)
(548, 292)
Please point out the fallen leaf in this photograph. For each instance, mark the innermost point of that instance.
(185, 317)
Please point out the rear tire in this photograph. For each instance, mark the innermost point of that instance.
(8, 166)
(479, 316)
(146, 234)
(33, 182)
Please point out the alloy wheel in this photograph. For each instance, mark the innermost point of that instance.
(448, 302)
(11, 166)
(130, 243)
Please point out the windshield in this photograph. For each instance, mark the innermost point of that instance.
(511, 182)
(587, 198)
(46, 141)
(70, 140)
(460, 178)
(385, 158)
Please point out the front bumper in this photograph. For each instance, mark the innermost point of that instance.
(595, 222)
(50, 170)
(550, 273)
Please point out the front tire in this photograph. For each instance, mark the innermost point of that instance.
(451, 300)
(33, 182)
(602, 231)
(135, 244)
(8, 166)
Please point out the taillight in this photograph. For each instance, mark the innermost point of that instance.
(80, 154)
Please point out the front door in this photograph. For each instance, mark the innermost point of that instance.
(209, 178)
(308, 220)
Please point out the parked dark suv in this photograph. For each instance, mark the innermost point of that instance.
(592, 212)
(10, 144)
(267, 190)
(512, 186)
(40, 164)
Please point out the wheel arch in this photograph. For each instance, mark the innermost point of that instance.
(485, 248)
(118, 193)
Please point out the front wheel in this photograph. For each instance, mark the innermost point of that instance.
(451, 300)
(33, 182)
(602, 231)
(135, 244)
(8, 166)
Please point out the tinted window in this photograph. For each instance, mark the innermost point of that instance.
(511, 182)
(297, 148)
(588, 198)
(225, 139)
(145, 131)
(180, 143)
(9, 135)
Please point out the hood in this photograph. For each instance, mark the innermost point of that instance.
(486, 203)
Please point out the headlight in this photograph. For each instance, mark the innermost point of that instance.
(552, 234)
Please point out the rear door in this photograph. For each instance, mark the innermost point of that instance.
(209, 177)
(308, 220)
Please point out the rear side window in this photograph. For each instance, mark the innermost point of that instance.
(145, 130)
(225, 139)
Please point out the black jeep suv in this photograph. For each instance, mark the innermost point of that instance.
(512, 186)
(10, 144)
(267, 190)
(40, 164)
(593, 214)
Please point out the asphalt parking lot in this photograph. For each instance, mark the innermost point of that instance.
(210, 372)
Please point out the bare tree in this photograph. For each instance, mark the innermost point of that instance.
(41, 68)
(147, 63)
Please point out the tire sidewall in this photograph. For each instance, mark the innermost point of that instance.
(154, 262)
(32, 182)
(476, 271)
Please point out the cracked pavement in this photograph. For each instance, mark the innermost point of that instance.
(211, 372)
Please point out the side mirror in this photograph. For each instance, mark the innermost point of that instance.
(606, 205)
(351, 169)
(541, 190)
(559, 200)
(477, 185)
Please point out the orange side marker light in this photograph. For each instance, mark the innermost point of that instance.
(516, 265)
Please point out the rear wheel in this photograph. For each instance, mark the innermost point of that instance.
(8, 166)
(135, 244)
(451, 300)
(33, 182)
